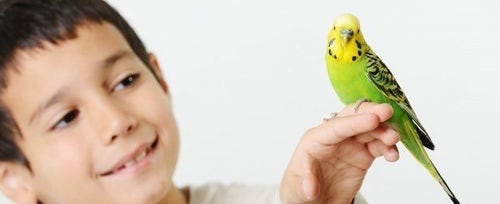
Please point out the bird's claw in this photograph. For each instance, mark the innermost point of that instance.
(358, 104)
(332, 115)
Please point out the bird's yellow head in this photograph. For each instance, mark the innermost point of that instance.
(345, 41)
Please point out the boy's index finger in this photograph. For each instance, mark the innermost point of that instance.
(340, 128)
(383, 111)
(348, 123)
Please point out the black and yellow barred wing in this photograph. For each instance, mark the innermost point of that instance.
(382, 78)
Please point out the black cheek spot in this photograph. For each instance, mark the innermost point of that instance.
(335, 56)
(358, 44)
(330, 52)
(354, 58)
(359, 53)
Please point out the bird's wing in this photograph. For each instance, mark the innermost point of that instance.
(382, 78)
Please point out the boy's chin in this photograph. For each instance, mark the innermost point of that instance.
(147, 195)
(144, 192)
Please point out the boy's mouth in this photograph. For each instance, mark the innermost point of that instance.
(132, 159)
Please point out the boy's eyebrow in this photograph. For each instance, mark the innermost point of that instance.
(52, 100)
(111, 60)
(108, 62)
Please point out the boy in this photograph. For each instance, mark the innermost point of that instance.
(85, 117)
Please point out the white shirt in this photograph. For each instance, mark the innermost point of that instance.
(216, 193)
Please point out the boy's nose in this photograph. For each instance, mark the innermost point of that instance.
(115, 121)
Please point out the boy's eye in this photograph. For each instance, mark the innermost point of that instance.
(66, 119)
(127, 81)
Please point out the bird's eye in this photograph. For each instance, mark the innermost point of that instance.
(333, 27)
(358, 31)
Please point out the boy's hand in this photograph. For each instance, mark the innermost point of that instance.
(331, 160)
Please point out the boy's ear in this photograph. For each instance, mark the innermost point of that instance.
(16, 183)
(157, 71)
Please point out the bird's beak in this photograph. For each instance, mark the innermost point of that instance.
(346, 36)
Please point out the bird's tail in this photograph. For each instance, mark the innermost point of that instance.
(412, 142)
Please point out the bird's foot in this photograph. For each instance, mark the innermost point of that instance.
(358, 104)
(332, 115)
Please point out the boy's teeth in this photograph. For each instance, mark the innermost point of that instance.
(130, 163)
(141, 156)
(136, 159)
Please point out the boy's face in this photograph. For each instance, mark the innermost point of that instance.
(96, 125)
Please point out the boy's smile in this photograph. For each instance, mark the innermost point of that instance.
(134, 161)
(96, 125)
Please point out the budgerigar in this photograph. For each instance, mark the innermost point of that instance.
(357, 74)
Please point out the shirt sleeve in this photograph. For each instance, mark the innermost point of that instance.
(216, 193)
(359, 199)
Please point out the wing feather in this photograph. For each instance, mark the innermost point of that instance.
(383, 79)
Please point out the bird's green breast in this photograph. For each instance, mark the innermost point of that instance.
(351, 83)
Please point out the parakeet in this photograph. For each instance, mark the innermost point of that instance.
(357, 74)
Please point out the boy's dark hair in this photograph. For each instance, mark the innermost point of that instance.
(26, 24)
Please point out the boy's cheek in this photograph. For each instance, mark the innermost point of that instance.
(59, 159)
(56, 175)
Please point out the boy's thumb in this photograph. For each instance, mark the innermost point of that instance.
(300, 188)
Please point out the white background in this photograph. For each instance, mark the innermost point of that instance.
(248, 78)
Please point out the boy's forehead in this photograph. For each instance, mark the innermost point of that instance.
(92, 40)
